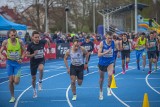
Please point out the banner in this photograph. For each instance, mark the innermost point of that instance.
(47, 55)
(96, 47)
(61, 49)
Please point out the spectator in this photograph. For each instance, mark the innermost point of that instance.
(27, 38)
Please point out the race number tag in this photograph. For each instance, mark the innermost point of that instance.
(40, 54)
(109, 54)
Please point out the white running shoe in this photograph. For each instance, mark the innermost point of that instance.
(39, 86)
(74, 97)
(100, 95)
(109, 92)
(34, 94)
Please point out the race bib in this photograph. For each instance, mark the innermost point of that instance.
(109, 54)
(153, 44)
(14, 55)
(40, 54)
(126, 47)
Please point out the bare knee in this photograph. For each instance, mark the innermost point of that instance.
(33, 78)
(73, 84)
(79, 82)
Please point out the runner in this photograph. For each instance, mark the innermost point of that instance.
(13, 46)
(125, 46)
(157, 51)
(106, 62)
(140, 50)
(76, 53)
(89, 46)
(151, 45)
(116, 50)
(35, 51)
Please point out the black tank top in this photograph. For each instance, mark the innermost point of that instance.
(126, 46)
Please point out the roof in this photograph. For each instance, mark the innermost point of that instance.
(125, 8)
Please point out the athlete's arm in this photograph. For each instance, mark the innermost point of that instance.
(65, 59)
(4, 43)
(120, 45)
(85, 52)
(100, 50)
(23, 48)
(136, 44)
(29, 50)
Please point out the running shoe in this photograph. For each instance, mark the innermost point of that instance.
(34, 94)
(109, 92)
(100, 95)
(39, 86)
(126, 66)
(12, 100)
(123, 72)
(149, 72)
(74, 97)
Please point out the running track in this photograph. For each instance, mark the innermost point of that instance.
(57, 93)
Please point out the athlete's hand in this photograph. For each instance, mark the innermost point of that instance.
(2, 58)
(68, 70)
(118, 55)
(35, 52)
(19, 61)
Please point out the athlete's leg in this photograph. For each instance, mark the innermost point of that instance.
(73, 84)
(110, 72)
(144, 61)
(101, 80)
(41, 69)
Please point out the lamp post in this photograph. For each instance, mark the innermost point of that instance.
(46, 17)
(67, 9)
(94, 1)
(136, 16)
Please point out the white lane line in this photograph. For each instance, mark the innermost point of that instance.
(150, 85)
(149, 78)
(67, 91)
(70, 104)
(16, 103)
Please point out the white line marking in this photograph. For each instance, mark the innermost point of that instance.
(150, 85)
(149, 78)
(16, 103)
(67, 91)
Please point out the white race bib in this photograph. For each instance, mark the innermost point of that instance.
(109, 54)
(40, 54)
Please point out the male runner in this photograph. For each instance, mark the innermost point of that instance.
(89, 46)
(116, 50)
(140, 50)
(35, 51)
(14, 47)
(151, 50)
(125, 46)
(76, 68)
(106, 62)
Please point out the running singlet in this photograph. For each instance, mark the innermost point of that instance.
(13, 51)
(125, 45)
(153, 44)
(109, 57)
(76, 57)
(141, 44)
(88, 46)
(37, 47)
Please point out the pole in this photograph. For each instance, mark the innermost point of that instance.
(136, 16)
(66, 22)
(46, 17)
(93, 16)
(107, 22)
(104, 26)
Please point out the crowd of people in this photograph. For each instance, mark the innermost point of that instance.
(111, 47)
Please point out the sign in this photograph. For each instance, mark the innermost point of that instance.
(61, 49)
